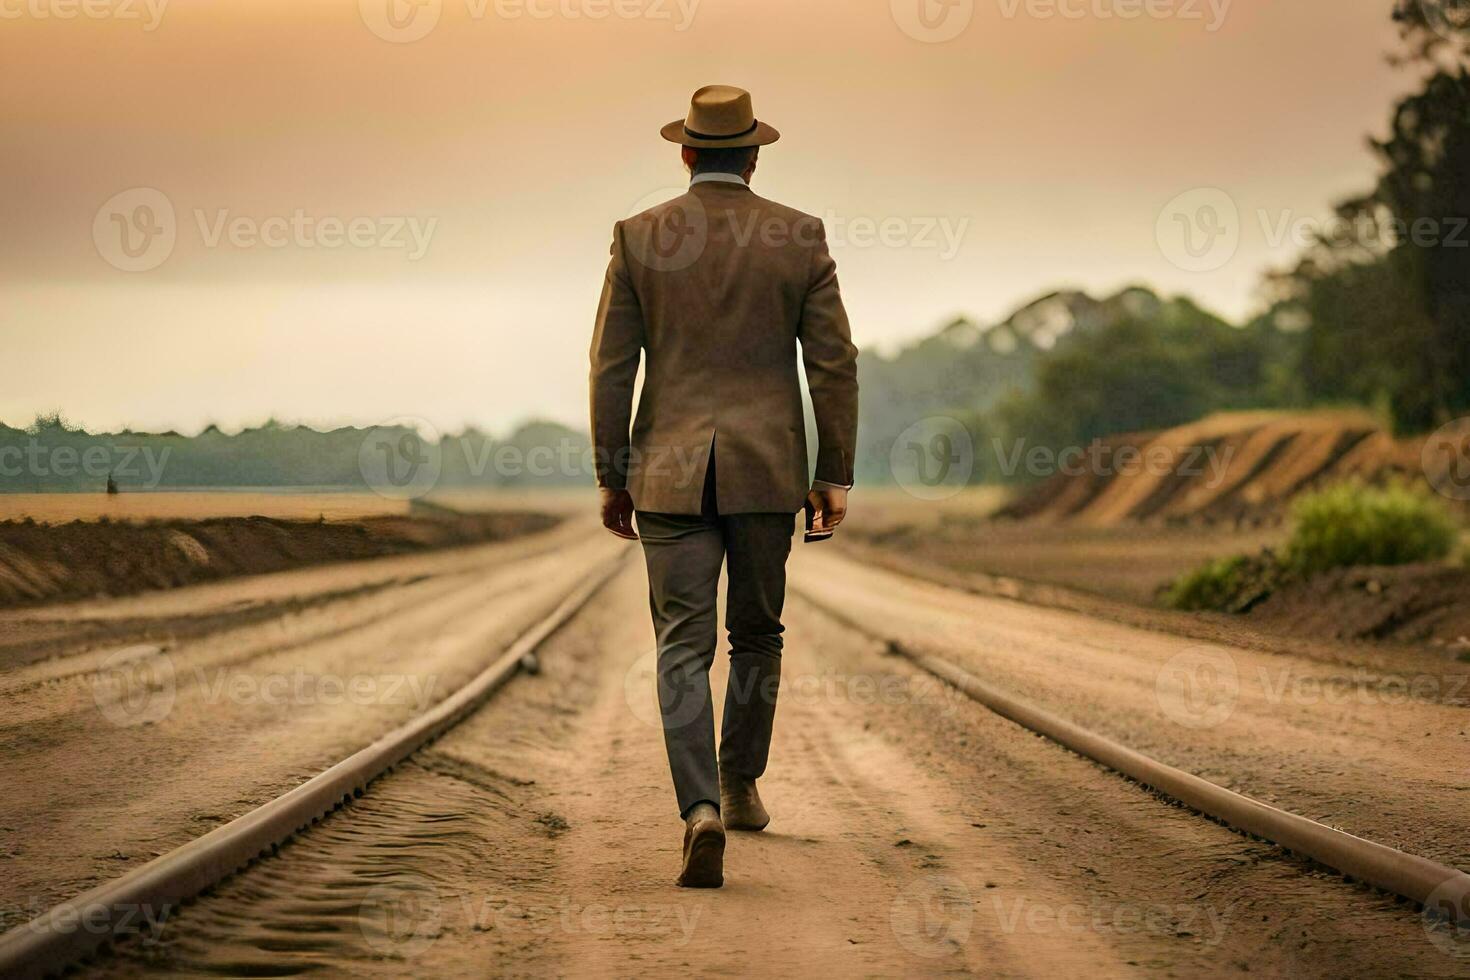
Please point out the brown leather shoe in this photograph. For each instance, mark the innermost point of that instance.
(740, 803)
(704, 850)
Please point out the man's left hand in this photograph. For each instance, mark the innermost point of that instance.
(617, 513)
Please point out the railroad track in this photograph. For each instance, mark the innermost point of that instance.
(76, 928)
(52, 941)
(1439, 891)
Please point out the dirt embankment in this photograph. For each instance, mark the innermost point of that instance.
(83, 559)
(1128, 526)
(1235, 469)
(1422, 605)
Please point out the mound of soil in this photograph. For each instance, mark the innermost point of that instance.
(1235, 469)
(84, 559)
(1412, 604)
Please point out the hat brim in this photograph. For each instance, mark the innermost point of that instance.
(763, 134)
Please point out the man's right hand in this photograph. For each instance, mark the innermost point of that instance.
(830, 505)
(617, 513)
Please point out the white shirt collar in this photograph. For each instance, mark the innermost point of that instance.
(722, 178)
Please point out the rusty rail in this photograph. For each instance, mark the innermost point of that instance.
(1442, 890)
(75, 928)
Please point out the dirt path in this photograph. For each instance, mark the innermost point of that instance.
(1378, 752)
(914, 834)
(118, 751)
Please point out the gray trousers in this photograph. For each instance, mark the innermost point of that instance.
(684, 555)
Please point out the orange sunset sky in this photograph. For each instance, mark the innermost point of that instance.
(1036, 148)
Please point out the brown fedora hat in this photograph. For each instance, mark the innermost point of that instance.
(720, 116)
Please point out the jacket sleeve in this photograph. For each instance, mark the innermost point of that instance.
(831, 368)
(617, 344)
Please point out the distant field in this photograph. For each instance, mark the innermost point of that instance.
(62, 508)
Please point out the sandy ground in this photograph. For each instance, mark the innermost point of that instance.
(914, 833)
(1372, 744)
(118, 748)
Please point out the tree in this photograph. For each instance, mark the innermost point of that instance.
(1388, 302)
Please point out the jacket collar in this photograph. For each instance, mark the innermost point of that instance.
(712, 177)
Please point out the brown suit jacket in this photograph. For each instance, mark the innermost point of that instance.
(715, 289)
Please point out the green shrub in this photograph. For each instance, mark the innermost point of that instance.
(1348, 524)
(1214, 585)
(1354, 524)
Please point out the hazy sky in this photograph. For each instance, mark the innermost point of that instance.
(479, 169)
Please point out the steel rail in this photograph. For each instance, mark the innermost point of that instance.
(1443, 891)
(69, 931)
